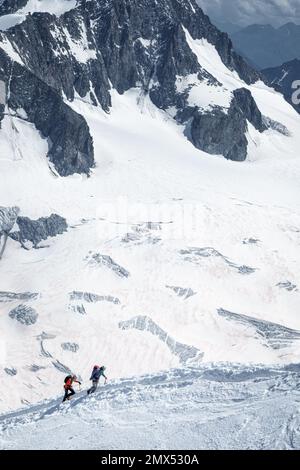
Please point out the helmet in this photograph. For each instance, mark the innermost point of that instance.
(103, 367)
(96, 367)
(74, 377)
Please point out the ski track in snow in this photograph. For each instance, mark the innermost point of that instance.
(223, 406)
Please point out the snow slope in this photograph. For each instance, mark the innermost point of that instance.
(178, 221)
(54, 7)
(212, 407)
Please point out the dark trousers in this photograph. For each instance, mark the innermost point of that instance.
(94, 387)
(69, 392)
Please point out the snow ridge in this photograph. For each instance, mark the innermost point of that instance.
(181, 409)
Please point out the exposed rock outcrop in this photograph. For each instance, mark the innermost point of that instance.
(272, 334)
(104, 260)
(2, 99)
(72, 347)
(13, 296)
(11, 6)
(287, 285)
(194, 255)
(93, 298)
(224, 133)
(283, 78)
(11, 371)
(185, 353)
(183, 292)
(70, 144)
(8, 217)
(24, 314)
(35, 231)
(78, 309)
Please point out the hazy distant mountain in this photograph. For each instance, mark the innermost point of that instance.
(267, 46)
(227, 27)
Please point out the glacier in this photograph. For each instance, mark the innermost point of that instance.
(177, 269)
(151, 182)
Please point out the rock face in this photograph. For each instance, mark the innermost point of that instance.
(194, 255)
(220, 132)
(72, 347)
(2, 99)
(119, 44)
(11, 6)
(8, 217)
(183, 292)
(104, 260)
(250, 241)
(273, 335)
(184, 352)
(24, 314)
(13, 296)
(12, 372)
(62, 367)
(287, 285)
(78, 309)
(244, 102)
(282, 79)
(37, 230)
(93, 298)
(70, 143)
(36, 368)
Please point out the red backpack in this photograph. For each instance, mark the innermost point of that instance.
(68, 381)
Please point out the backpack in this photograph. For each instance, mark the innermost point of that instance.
(96, 374)
(69, 377)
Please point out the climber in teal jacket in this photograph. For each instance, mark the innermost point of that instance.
(95, 377)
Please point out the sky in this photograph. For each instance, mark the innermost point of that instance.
(245, 12)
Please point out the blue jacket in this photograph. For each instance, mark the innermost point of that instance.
(97, 373)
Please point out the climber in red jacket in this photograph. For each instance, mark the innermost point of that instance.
(68, 386)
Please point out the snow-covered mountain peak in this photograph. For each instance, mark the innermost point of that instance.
(170, 51)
